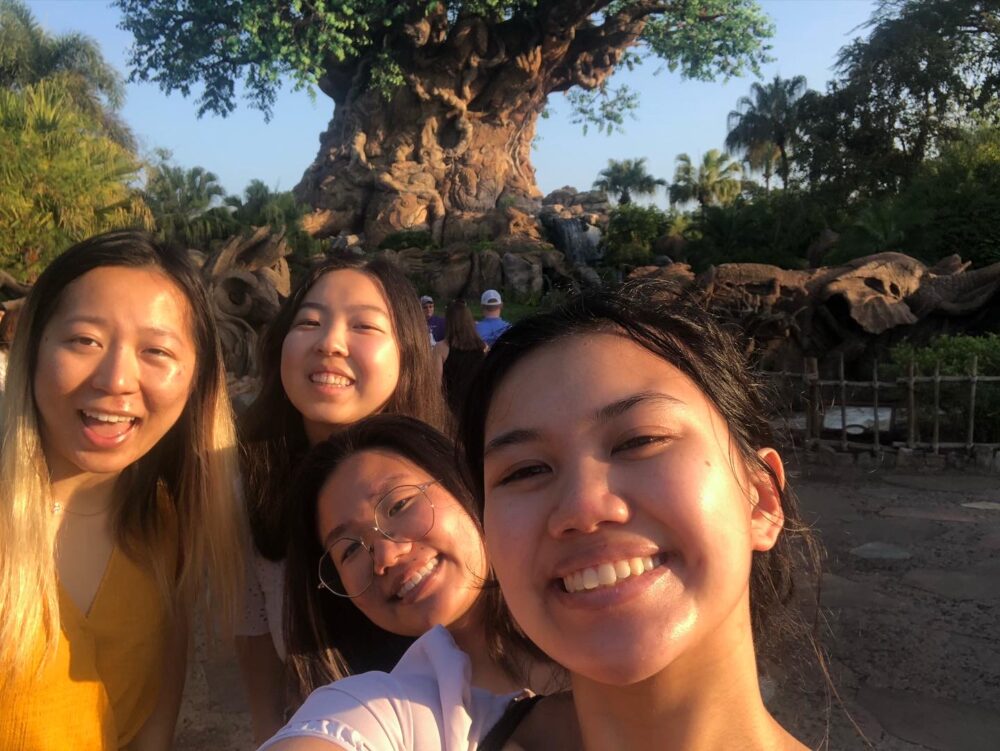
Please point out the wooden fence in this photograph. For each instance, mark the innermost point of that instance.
(818, 399)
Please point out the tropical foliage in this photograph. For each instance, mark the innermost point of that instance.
(765, 125)
(631, 232)
(714, 182)
(186, 204)
(30, 55)
(61, 178)
(628, 178)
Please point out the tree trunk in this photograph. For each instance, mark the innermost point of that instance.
(450, 152)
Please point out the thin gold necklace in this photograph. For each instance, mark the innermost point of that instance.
(58, 508)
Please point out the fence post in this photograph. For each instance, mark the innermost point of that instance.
(937, 407)
(812, 366)
(972, 403)
(877, 444)
(843, 405)
(911, 417)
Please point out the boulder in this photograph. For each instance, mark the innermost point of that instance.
(522, 275)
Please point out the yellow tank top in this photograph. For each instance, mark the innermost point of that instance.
(103, 680)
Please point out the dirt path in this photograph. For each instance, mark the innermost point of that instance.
(912, 597)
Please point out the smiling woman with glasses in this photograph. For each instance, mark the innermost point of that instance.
(385, 550)
(404, 514)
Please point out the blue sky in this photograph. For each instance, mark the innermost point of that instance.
(674, 116)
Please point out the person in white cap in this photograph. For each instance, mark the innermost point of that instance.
(492, 325)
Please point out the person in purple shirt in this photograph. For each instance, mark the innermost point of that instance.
(435, 324)
(491, 326)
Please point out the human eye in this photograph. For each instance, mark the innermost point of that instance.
(348, 549)
(638, 444)
(398, 504)
(523, 472)
(160, 352)
(368, 326)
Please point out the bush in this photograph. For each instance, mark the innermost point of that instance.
(631, 232)
(955, 354)
(408, 238)
(775, 227)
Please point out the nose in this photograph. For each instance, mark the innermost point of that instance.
(386, 553)
(117, 372)
(585, 500)
(332, 340)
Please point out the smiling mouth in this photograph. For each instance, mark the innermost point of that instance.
(611, 573)
(331, 379)
(411, 583)
(107, 424)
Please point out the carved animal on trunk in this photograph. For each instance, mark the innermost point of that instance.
(246, 277)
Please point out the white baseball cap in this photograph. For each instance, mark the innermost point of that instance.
(490, 297)
(426, 299)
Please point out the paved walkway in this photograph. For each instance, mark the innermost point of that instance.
(912, 596)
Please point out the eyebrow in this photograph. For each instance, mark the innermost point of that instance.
(602, 416)
(353, 308)
(378, 493)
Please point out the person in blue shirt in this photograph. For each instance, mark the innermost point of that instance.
(435, 324)
(491, 326)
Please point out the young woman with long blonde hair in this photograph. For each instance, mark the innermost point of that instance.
(117, 507)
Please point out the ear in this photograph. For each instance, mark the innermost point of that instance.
(767, 518)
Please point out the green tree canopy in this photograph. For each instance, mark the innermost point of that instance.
(61, 178)
(714, 182)
(924, 69)
(29, 55)
(626, 179)
(218, 43)
(765, 122)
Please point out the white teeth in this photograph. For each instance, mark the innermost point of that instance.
(105, 417)
(609, 574)
(330, 379)
(418, 577)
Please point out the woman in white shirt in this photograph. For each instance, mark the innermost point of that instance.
(384, 545)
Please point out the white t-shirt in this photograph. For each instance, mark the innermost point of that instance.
(264, 600)
(426, 703)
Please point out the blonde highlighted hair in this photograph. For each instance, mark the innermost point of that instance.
(185, 485)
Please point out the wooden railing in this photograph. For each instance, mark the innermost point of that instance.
(817, 397)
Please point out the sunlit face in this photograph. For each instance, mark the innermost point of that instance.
(619, 523)
(416, 585)
(115, 368)
(339, 360)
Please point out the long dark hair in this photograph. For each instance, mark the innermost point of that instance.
(684, 334)
(174, 508)
(328, 637)
(272, 433)
(461, 327)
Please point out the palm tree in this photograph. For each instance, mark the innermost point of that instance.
(715, 182)
(185, 206)
(766, 120)
(626, 179)
(29, 55)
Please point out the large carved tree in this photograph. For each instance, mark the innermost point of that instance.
(436, 101)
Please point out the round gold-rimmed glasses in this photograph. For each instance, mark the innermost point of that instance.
(404, 514)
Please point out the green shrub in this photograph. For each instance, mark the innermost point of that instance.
(408, 238)
(955, 354)
(631, 232)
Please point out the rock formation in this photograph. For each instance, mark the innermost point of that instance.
(857, 309)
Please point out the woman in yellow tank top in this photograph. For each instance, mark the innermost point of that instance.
(117, 460)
